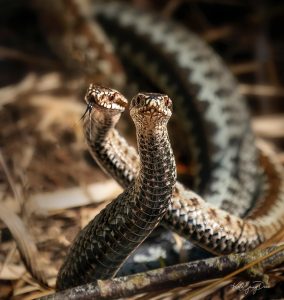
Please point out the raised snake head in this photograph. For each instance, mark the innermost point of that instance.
(152, 108)
(103, 98)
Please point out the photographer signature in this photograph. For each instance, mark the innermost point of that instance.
(252, 288)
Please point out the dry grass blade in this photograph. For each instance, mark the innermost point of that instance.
(50, 203)
(10, 93)
(204, 292)
(215, 34)
(269, 126)
(25, 243)
(10, 179)
(261, 90)
(170, 8)
(243, 68)
(196, 294)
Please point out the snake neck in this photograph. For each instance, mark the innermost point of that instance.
(106, 242)
(157, 174)
(98, 126)
(107, 150)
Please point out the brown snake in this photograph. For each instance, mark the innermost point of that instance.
(189, 215)
(103, 245)
(218, 138)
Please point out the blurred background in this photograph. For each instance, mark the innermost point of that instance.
(49, 185)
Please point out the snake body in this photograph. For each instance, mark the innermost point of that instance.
(188, 214)
(230, 171)
(213, 114)
(103, 245)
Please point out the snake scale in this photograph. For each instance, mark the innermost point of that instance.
(242, 186)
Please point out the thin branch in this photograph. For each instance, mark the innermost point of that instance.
(174, 276)
(244, 68)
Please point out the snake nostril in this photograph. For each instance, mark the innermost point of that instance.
(138, 100)
(112, 98)
(168, 102)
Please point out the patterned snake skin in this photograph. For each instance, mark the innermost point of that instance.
(188, 214)
(212, 113)
(104, 244)
(230, 173)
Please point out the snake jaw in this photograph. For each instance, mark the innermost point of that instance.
(105, 98)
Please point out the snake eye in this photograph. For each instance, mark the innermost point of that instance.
(168, 102)
(138, 100)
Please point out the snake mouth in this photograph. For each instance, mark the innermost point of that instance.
(152, 104)
(105, 98)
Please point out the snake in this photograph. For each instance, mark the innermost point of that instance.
(210, 109)
(238, 196)
(188, 213)
(104, 244)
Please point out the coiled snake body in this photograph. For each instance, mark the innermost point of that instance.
(230, 175)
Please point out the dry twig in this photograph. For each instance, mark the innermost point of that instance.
(174, 276)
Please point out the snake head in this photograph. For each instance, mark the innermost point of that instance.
(151, 107)
(103, 98)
